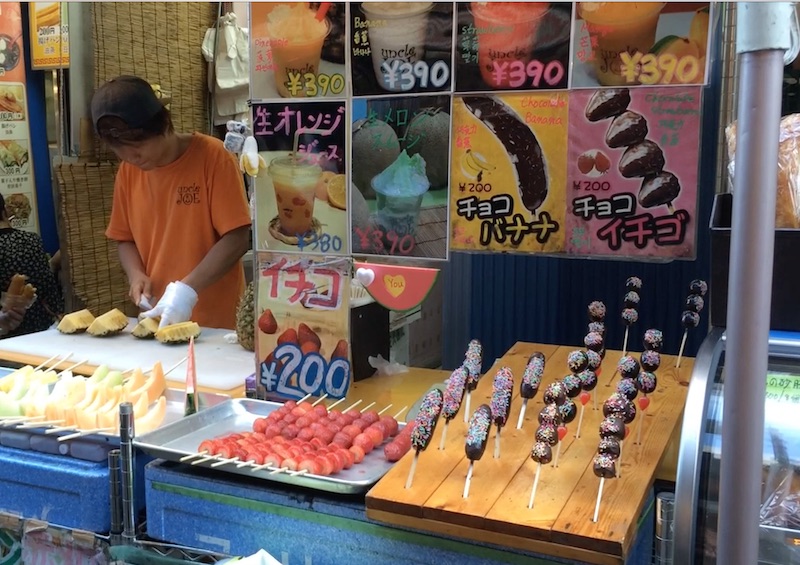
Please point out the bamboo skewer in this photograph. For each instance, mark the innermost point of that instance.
(320, 399)
(384, 410)
(46, 362)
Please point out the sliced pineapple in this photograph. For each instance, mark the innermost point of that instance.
(110, 323)
(178, 333)
(146, 328)
(77, 322)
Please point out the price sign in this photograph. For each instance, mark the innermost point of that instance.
(322, 243)
(782, 387)
(534, 74)
(660, 69)
(303, 325)
(405, 77)
(312, 85)
(373, 240)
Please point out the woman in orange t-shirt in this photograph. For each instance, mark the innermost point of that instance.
(179, 215)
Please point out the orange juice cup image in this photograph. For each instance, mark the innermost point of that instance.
(617, 27)
(295, 182)
(506, 32)
(295, 38)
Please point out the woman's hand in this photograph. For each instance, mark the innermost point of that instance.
(10, 319)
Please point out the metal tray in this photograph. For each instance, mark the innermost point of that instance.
(181, 438)
(94, 447)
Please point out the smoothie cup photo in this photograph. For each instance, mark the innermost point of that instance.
(296, 38)
(399, 191)
(397, 32)
(295, 183)
(615, 28)
(506, 32)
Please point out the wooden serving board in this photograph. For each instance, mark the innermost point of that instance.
(560, 521)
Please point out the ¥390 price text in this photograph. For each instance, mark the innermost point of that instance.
(659, 69)
(310, 84)
(407, 76)
(534, 74)
(376, 241)
(294, 374)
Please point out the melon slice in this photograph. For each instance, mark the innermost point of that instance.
(156, 384)
(136, 381)
(153, 419)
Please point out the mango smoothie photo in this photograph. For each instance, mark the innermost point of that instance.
(295, 183)
(615, 28)
(296, 37)
(505, 32)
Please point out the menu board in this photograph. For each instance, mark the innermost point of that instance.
(401, 47)
(401, 149)
(647, 43)
(301, 197)
(633, 172)
(512, 46)
(297, 50)
(303, 325)
(508, 178)
(49, 35)
(16, 169)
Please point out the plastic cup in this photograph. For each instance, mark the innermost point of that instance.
(615, 28)
(296, 55)
(397, 32)
(505, 32)
(295, 183)
(396, 213)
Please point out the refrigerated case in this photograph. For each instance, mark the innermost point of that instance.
(697, 488)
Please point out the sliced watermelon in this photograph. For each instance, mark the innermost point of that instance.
(399, 288)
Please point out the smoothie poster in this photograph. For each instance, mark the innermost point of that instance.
(640, 43)
(400, 162)
(512, 46)
(16, 168)
(303, 325)
(401, 47)
(301, 199)
(509, 172)
(633, 171)
(297, 50)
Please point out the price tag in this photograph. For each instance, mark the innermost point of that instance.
(407, 76)
(311, 85)
(534, 74)
(783, 388)
(323, 243)
(293, 374)
(659, 69)
(374, 240)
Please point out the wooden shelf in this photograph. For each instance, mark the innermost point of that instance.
(560, 521)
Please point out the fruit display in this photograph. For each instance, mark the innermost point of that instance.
(110, 323)
(146, 328)
(77, 322)
(114, 322)
(307, 438)
(75, 402)
(178, 333)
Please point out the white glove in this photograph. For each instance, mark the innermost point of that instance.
(175, 306)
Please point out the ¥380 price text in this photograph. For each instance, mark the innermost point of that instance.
(407, 76)
(293, 374)
(659, 69)
(324, 243)
(534, 74)
(372, 241)
(310, 84)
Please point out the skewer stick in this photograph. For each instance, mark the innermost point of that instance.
(58, 362)
(412, 470)
(384, 410)
(403, 409)
(191, 456)
(332, 406)
(175, 366)
(306, 397)
(680, 352)
(469, 478)
(60, 429)
(535, 485)
(639, 431)
(74, 366)
(444, 435)
(619, 460)
(625, 342)
(277, 471)
(13, 420)
(245, 463)
(320, 399)
(466, 407)
(368, 406)
(46, 362)
(41, 424)
(599, 497)
(297, 473)
(356, 403)
(580, 422)
(497, 443)
(82, 433)
(222, 462)
(261, 467)
(522, 413)
(203, 459)
(558, 454)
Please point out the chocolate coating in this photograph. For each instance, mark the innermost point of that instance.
(502, 390)
(631, 299)
(577, 361)
(653, 339)
(597, 311)
(532, 377)
(555, 393)
(690, 319)
(572, 385)
(618, 405)
(609, 446)
(537, 355)
(604, 467)
(629, 128)
(607, 103)
(541, 453)
(478, 432)
(646, 382)
(593, 341)
(633, 283)
(698, 286)
(594, 359)
(568, 411)
(630, 316)
(641, 160)
(612, 426)
(597, 327)
(426, 420)
(650, 360)
(588, 380)
(695, 303)
(547, 433)
(549, 414)
(659, 189)
(628, 367)
(454, 393)
(627, 388)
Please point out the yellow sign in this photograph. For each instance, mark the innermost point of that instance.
(49, 35)
(395, 285)
(508, 172)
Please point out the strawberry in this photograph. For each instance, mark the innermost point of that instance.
(267, 323)
(306, 334)
(340, 350)
(289, 336)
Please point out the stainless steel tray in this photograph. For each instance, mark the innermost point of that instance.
(181, 438)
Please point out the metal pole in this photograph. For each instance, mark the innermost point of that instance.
(126, 435)
(763, 35)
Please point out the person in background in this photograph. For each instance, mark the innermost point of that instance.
(179, 215)
(22, 253)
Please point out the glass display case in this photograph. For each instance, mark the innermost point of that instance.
(697, 488)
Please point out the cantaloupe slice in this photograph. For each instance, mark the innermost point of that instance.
(86, 419)
(139, 409)
(108, 416)
(156, 384)
(153, 419)
(136, 381)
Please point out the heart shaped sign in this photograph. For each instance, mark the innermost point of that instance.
(585, 397)
(395, 285)
(644, 402)
(562, 432)
(365, 276)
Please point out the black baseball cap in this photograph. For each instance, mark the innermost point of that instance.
(128, 98)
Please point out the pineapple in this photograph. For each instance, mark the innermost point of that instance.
(178, 333)
(77, 322)
(146, 328)
(110, 323)
(245, 319)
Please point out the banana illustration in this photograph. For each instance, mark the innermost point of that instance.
(474, 164)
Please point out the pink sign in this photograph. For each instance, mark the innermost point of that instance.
(632, 172)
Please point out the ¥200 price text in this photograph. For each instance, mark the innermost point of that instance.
(407, 76)
(310, 84)
(659, 69)
(291, 373)
(533, 74)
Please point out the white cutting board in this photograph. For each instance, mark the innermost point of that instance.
(220, 365)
